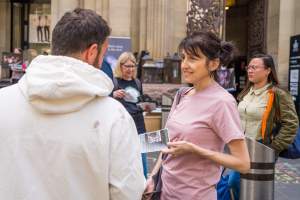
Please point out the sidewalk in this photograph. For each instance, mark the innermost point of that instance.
(287, 179)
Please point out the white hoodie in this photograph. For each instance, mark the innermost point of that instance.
(63, 138)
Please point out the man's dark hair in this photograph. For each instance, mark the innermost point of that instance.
(78, 30)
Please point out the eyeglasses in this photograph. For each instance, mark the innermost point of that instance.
(253, 67)
(129, 66)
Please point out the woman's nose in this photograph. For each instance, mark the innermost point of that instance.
(183, 63)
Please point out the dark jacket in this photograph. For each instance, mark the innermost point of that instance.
(282, 122)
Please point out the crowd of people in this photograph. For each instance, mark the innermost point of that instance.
(69, 131)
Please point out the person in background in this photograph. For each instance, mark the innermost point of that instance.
(62, 136)
(267, 112)
(128, 90)
(205, 119)
(17, 67)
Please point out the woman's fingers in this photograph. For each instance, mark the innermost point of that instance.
(119, 93)
(175, 143)
(168, 151)
(175, 139)
(149, 185)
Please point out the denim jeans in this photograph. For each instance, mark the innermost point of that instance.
(145, 166)
(234, 183)
(140, 126)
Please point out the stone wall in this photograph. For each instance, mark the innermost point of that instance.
(289, 22)
(155, 91)
(5, 26)
(154, 25)
(273, 28)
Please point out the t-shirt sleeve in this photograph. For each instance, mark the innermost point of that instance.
(226, 121)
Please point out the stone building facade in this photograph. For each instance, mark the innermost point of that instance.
(159, 25)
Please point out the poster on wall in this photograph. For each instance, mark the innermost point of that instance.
(226, 78)
(39, 23)
(294, 68)
(117, 45)
(39, 31)
(294, 75)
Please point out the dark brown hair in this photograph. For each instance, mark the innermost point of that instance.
(210, 45)
(78, 30)
(272, 78)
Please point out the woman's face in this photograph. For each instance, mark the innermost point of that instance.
(257, 72)
(128, 69)
(194, 69)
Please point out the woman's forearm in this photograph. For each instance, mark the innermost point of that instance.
(157, 165)
(239, 161)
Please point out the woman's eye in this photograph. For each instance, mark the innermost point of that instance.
(193, 58)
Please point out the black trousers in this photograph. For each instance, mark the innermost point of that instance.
(139, 122)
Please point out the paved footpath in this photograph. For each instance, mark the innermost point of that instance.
(287, 179)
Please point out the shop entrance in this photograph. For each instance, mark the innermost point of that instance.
(30, 25)
(246, 28)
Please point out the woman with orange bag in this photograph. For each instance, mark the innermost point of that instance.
(267, 112)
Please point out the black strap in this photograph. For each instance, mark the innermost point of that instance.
(116, 83)
(138, 84)
(180, 93)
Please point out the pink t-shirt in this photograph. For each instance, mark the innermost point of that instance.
(209, 119)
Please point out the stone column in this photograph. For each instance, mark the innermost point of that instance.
(100, 6)
(142, 25)
(119, 17)
(59, 7)
(135, 25)
(162, 26)
(257, 24)
(89, 4)
(297, 13)
(4, 21)
(273, 28)
(287, 28)
(156, 27)
(176, 24)
(206, 15)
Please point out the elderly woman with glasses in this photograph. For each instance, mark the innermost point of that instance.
(128, 90)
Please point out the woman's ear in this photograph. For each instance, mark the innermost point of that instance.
(213, 65)
(269, 71)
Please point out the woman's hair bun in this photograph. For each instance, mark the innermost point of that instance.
(227, 52)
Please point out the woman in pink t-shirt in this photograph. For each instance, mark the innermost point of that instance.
(205, 119)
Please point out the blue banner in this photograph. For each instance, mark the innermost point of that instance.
(117, 45)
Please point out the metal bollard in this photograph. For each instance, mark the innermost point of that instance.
(259, 182)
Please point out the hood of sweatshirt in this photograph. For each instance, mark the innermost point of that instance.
(60, 84)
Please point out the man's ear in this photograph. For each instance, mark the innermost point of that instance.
(90, 54)
(214, 64)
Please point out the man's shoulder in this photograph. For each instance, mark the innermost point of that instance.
(110, 106)
(6, 92)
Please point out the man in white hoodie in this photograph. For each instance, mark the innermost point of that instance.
(61, 136)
